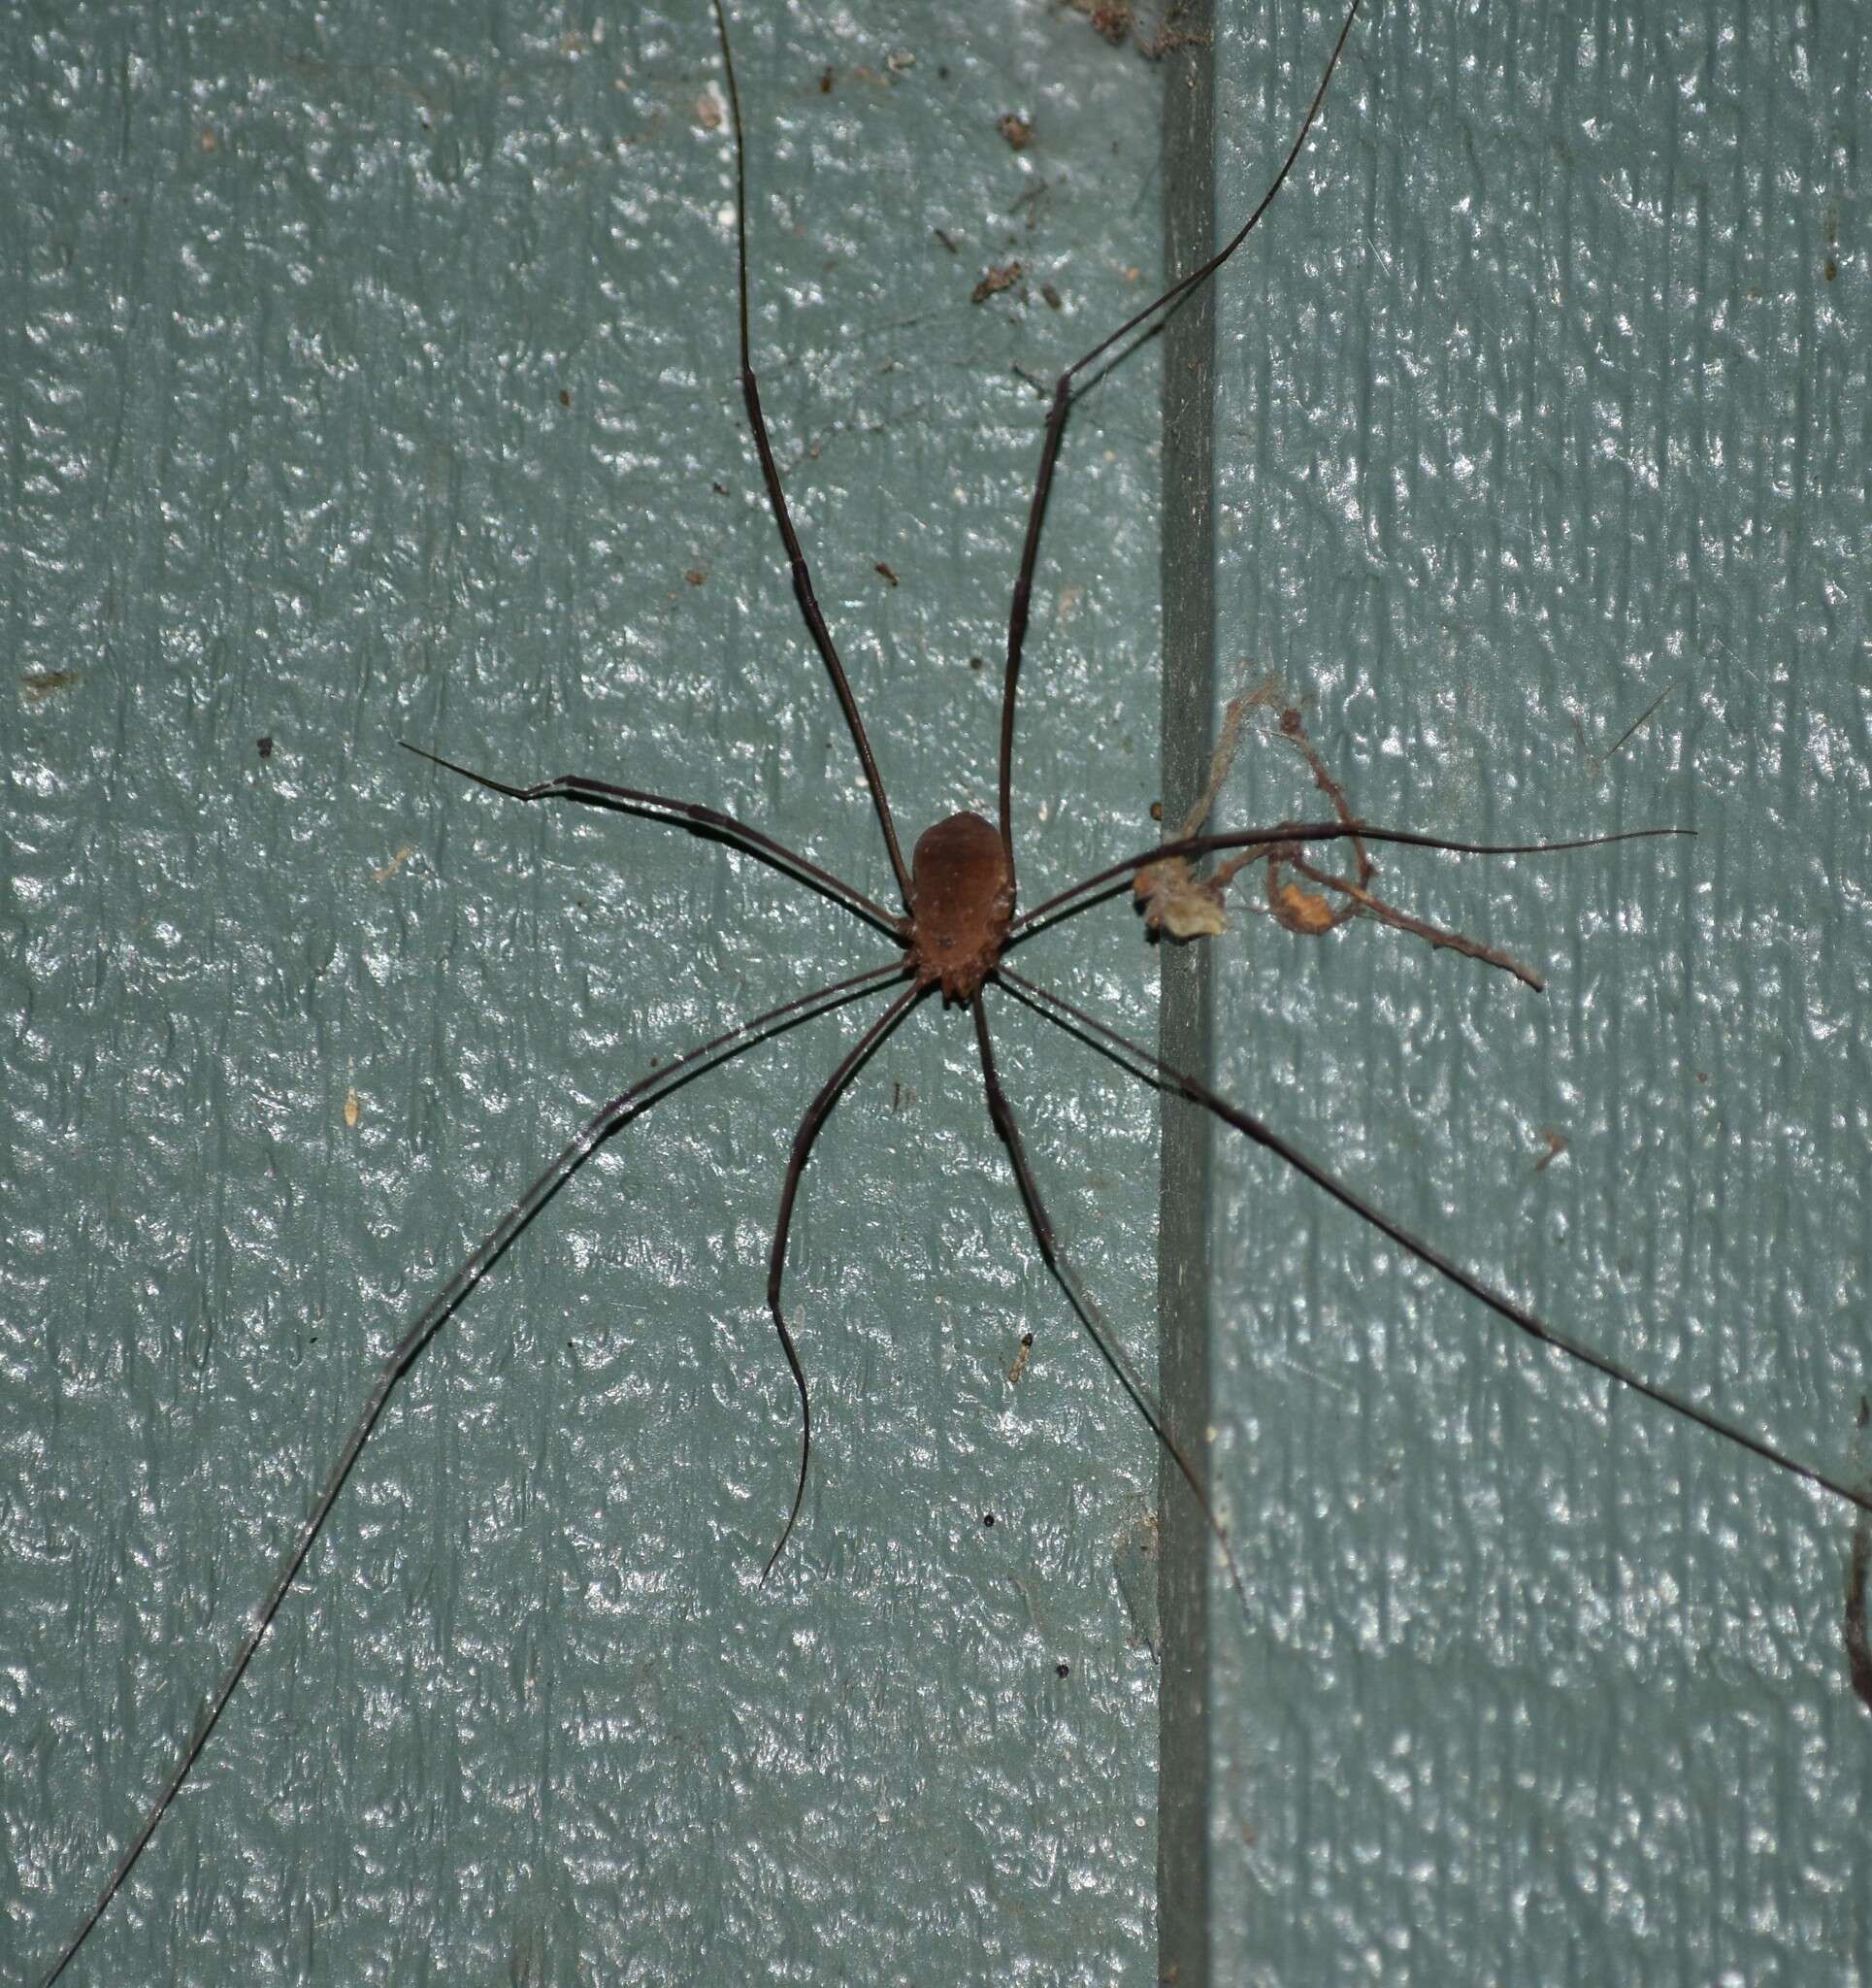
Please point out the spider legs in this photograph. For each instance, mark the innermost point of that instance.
(1077, 1296)
(817, 1112)
(707, 823)
(610, 1119)
(1153, 1070)
(1062, 406)
(796, 557)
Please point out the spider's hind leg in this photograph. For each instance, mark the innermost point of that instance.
(1080, 1298)
(817, 1112)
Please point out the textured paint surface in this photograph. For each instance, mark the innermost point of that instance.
(371, 372)
(1547, 398)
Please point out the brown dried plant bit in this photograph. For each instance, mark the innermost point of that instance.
(1177, 901)
(1439, 936)
(1172, 897)
(1306, 912)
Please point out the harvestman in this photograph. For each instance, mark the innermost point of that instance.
(959, 923)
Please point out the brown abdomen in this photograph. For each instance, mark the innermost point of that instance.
(964, 903)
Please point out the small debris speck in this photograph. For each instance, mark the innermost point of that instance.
(38, 685)
(1111, 18)
(1001, 276)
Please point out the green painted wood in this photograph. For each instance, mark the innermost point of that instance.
(1184, 1280)
(370, 371)
(1544, 402)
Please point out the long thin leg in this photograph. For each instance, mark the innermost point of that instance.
(817, 1112)
(1076, 1022)
(1056, 430)
(707, 823)
(795, 559)
(1116, 877)
(601, 1126)
(1080, 1298)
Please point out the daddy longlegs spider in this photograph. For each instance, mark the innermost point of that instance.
(1006, 978)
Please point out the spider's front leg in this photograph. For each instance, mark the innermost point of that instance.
(708, 823)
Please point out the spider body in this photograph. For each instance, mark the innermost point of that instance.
(962, 906)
